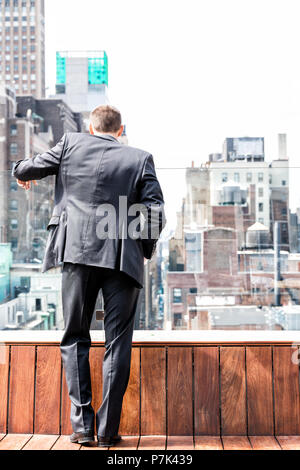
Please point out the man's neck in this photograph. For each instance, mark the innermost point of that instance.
(104, 133)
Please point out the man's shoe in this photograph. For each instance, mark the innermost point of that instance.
(86, 438)
(108, 441)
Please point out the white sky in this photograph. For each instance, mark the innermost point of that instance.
(187, 74)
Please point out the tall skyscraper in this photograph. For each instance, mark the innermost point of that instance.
(22, 38)
(82, 79)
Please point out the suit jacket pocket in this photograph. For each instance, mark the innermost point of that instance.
(57, 228)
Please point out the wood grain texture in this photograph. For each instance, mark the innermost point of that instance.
(286, 392)
(208, 443)
(264, 443)
(130, 415)
(66, 427)
(233, 391)
(96, 361)
(259, 391)
(236, 443)
(180, 392)
(4, 369)
(206, 386)
(289, 442)
(153, 391)
(48, 383)
(152, 443)
(14, 441)
(64, 443)
(40, 442)
(127, 443)
(180, 443)
(21, 390)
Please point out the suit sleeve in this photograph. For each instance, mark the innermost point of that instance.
(151, 197)
(42, 165)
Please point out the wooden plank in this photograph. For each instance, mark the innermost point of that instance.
(264, 443)
(40, 442)
(289, 442)
(93, 447)
(180, 443)
(48, 383)
(152, 443)
(130, 415)
(233, 391)
(153, 391)
(236, 443)
(66, 427)
(64, 443)
(21, 390)
(96, 362)
(180, 392)
(206, 380)
(208, 443)
(259, 391)
(127, 443)
(286, 392)
(14, 441)
(4, 369)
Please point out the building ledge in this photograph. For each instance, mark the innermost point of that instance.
(164, 337)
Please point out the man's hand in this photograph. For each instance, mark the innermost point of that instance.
(26, 184)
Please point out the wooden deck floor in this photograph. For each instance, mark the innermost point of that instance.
(50, 442)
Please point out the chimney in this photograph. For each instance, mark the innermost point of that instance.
(282, 147)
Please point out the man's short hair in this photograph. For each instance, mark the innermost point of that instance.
(106, 119)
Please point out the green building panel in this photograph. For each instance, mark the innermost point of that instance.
(60, 69)
(98, 70)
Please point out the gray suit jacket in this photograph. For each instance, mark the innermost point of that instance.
(92, 171)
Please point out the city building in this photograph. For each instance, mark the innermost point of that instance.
(22, 38)
(53, 113)
(82, 79)
(251, 149)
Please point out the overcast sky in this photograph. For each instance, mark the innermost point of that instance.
(187, 74)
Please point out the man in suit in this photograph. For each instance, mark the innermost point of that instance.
(107, 218)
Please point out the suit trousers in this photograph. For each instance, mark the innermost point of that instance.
(80, 288)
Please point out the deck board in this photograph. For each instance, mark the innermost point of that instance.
(236, 443)
(41, 442)
(127, 443)
(264, 443)
(14, 441)
(152, 443)
(4, 369)
(130, 414)
(208, 443)
(180, 443)
(289, 442)
(206, 380)
(64, 443)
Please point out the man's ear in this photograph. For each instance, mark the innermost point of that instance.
(121, 131)
(91, 129)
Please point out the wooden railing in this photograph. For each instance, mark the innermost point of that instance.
(198, 383)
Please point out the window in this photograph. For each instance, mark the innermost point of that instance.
(249, 177)
(14, 149)
(260, 177)
(13, 129)
(260, 192)
(14, 186)
(236, 177)
(177, 296)
(283, 182)
(13, 205)
(261, 207)
(224, 177)
(261, 220)
(14, 224)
